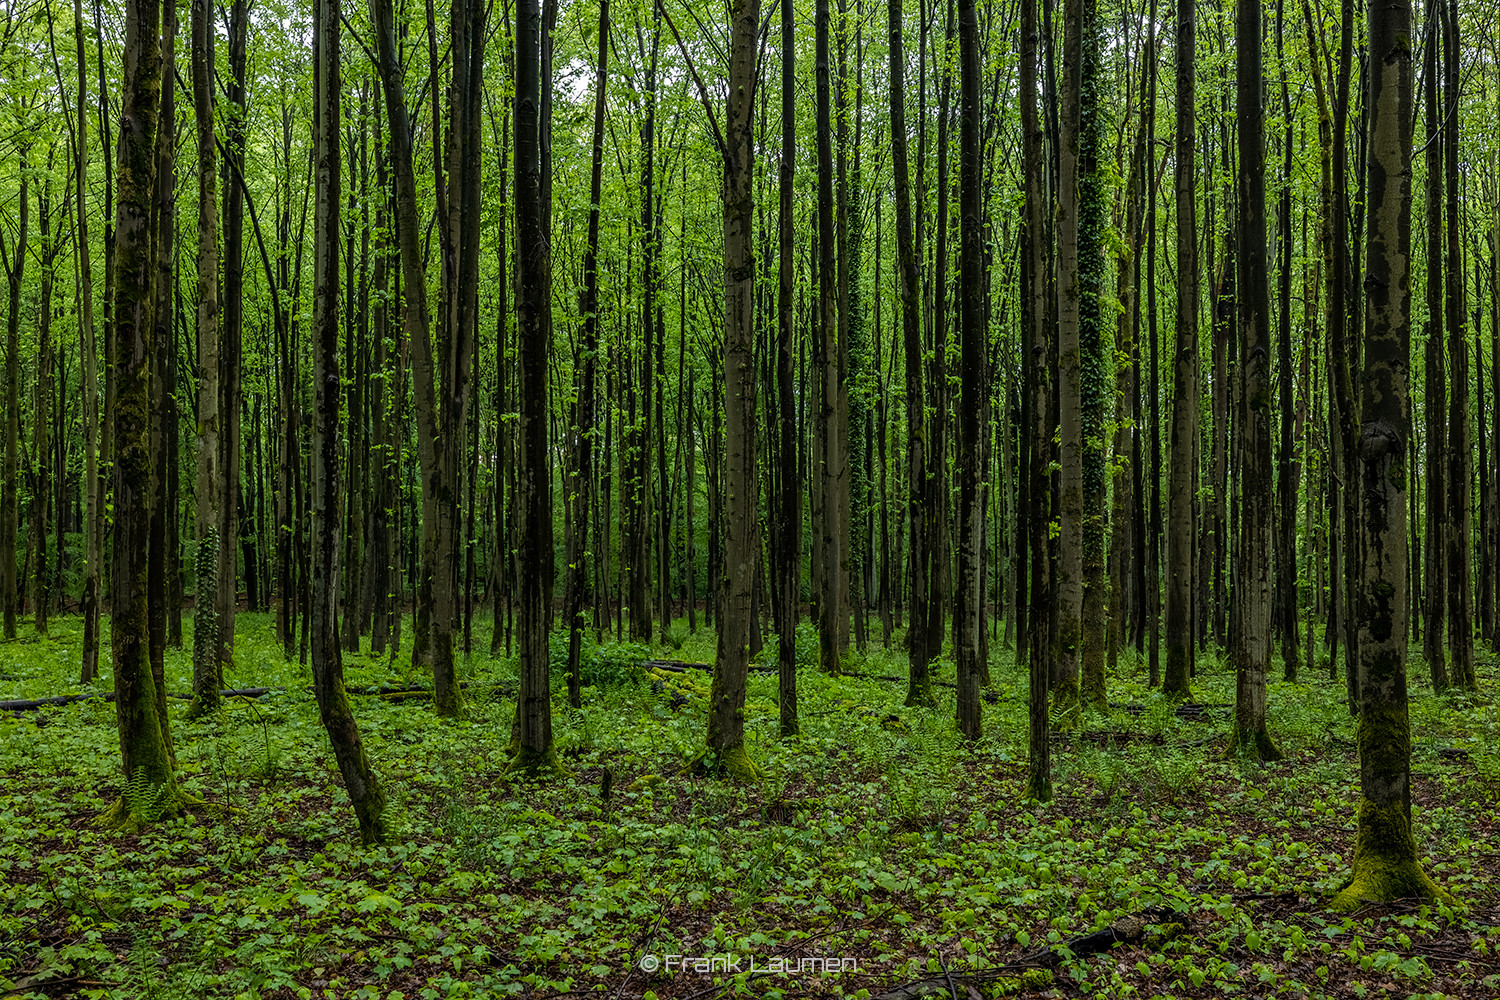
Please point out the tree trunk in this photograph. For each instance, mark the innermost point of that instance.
(1435, 395)
(1068, 597)
(9, 506)
(582, 474)
(150, 787)
(1250, 639)
(726, 724)
(832, 538)
(1288, 468)
(787, 540)
(1185, 391)
(968, 605)
(533, 492)
(1385, 852)
(93, 543)
(919, 691)
(231, 355)
(206, 672)
(327, 658)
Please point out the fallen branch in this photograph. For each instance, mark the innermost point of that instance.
(1126, 930)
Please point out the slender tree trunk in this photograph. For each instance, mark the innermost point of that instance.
(533, 493)
(231, 354)
(787, 541)
(9, 505)
(919, 691)
(831, 538)
(726, 725)
(1250, 640)
(1435, 395)
(1460, 473)
(1079, 23)
(93, 541)
(41, 420)
(208, 477)
(327, 659)
(1185, 390)
(968, 608)
(1288, 468)
(582, 474)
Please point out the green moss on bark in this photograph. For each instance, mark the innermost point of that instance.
(1255, 743)
(531, 763)
(1385, 861)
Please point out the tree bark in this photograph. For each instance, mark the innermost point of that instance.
(1185, 390)
(969, 593)
(1250, 640)
(360, 782)
(1385, 852)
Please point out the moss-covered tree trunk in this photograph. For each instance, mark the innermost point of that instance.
(327, 508)
(1385, 853)
(1096, 360)
(1181, 499)
(1250, 637)
(151, 789)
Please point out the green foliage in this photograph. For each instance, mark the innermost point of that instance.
(876, 833)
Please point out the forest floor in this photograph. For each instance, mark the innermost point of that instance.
(878, 850)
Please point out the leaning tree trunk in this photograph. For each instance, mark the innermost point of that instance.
(1250, 645)
(327, 510)
(1385, 852)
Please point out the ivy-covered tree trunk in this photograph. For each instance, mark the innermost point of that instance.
(150, 787)
(726, 710)
(1385, 851)
(1250, 636)
(360, 781)
(1095, 359)
(1181, 492)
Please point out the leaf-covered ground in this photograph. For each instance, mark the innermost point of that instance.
(878, 850)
